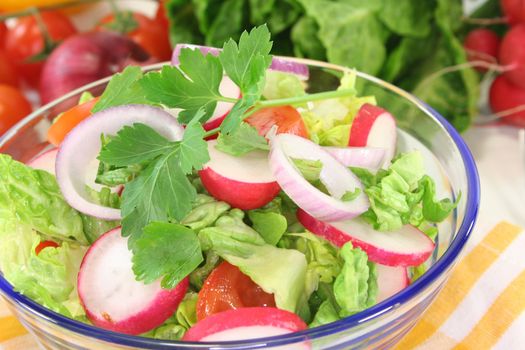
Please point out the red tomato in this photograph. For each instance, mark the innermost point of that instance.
(25, 40)
(148, 33)
(286, 118)
(228, 288)
(161, 17)
(68, 120)
(3, 31)
(13, 107)
(45, 244)
(8, 74)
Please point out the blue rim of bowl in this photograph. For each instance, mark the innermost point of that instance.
(443, 264)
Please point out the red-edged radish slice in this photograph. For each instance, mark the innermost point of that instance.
(405, 247)
(247, 323)
(370, 158)
(336, 177)
(244, 182)
(391, 280)
(374, 127)
(113, 298)
(79, 150)
(278, 64)
(227, 89)
(45, 161)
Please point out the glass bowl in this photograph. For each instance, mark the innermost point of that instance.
(448, 161)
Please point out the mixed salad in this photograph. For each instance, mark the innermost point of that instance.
(215, 200)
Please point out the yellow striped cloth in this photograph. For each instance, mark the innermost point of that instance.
(481, 306)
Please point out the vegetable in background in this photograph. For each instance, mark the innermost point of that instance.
(406, 42)
(28, 45)
(8, 73)
(13, 107)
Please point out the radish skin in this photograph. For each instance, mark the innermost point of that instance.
(405, 247)
(247, 323)
(45, 161)
(111, 296)
(512, 55)
(374, 127)
(243, 182)
(504, 96)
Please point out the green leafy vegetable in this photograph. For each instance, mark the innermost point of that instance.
(122, 89)
(349, 196)
(205, 212)
(282, 85)
(271, 226)
(398, 195)
(166, 250)
(275, 270)
(241, 141)
(191, 86)
(407, 17)
(355, 288)
(199, 275)
(50, 277)
(94, 227)
(34, 198)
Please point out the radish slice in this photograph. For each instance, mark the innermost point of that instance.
(113, 298)
(78, 152)
(374, 127)
(336, 178)
(247, 323)
(45, 161)
(278, 64)
(407, 246)
(363, 157)
(244, 182)
(227, 89)
(391, 280)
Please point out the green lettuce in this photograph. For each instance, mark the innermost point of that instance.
(281, 272)
(206, 210)
(402, 195)
(34, 198)
(329, 121)
(94, 227)
(282, 85)
(49, 278)
(355, 288)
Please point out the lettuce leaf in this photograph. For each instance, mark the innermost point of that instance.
(94, 227)
(329, 121)
(282, 85)
(34, 198)
(206, 210)
(49, 278)
(355, 288)
(402, 195)
(281, 272)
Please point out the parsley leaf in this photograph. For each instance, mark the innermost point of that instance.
(246, 65)
(194, 85)
(243, 140)
(193, 150)
(134, 145)
(160, 193)
(123, 89)
(167, 250)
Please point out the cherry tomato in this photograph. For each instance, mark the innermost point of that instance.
(161, 17)
(45, 244)
(13, 107)
(287, 119)
(228, 288)
(148, 33)
(25, 40)
(3, 31)
(8, 74)
(68, 120)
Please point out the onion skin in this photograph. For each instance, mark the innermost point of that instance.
(84, 58)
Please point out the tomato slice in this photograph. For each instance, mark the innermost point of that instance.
(3, 31)
(45, 244)
(68, 120)
(287, 119)
(228, 288)
(8, 74)
(25, 40)
(148, 33)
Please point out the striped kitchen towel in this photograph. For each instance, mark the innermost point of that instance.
(481, 306)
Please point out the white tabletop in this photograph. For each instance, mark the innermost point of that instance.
(499, 152)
